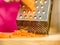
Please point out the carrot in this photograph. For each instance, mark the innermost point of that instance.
(19, 33)
(29, 3)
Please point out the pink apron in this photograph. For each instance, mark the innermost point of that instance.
(8, 14)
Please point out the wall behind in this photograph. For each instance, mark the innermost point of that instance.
(55, 17)
(59, 15)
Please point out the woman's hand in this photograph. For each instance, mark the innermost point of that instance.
(29, 3)
(8, 13)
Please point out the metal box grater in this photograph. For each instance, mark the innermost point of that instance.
(36, 19)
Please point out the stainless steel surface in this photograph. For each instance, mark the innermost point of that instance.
(40, 21)
(41, 13)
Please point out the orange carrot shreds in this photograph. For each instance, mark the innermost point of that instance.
(20, 33)
(4, 35)
(29, 3)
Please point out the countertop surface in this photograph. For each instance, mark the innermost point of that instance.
(47, 40)
(47, 37)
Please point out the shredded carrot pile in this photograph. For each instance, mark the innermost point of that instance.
(19, 34)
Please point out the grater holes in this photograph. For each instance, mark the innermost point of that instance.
(45, 1)
(24, 11)
(33, 11)
(38, 11)
(40, 17)
(36, 1)
(41, 2)
(25, 16)
(42, 6)
(23, 6)
(37, 7)
(43, 12)
(35, 17)
(20, 16)
(29, 12)
(30, 16)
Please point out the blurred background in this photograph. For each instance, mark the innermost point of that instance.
(55, 17)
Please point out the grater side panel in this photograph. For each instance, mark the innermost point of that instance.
(34, 26)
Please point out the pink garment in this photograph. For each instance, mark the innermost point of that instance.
(8, 14)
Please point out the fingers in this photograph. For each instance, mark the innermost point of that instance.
(11, 0)
(7, 0)
(15, 0)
